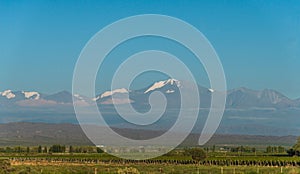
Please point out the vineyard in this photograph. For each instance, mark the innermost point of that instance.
(140, 167)
(104, 163)
(56, 159)
(211, 161)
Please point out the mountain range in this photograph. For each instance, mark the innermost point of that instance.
(242, 98)
(251, 112)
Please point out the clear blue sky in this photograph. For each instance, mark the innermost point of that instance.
(258, 42)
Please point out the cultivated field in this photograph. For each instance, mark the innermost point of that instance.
(177, 161)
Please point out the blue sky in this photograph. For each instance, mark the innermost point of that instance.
(258, 42)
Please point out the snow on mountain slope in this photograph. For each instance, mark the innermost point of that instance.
(20, 95)
(8, 94)
(109, 93)
(211, 90)
(169, 91)
(119, 97)
(78, 97)
(161, 84)
(31, 95)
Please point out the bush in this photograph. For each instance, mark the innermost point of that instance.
(128, 170)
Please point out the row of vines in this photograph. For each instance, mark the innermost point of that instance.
(207, 162)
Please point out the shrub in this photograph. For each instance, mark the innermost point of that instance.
(128, 170)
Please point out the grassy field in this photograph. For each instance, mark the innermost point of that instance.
(148, 169)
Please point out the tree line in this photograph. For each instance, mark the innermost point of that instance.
(295, 150)
(56, 148)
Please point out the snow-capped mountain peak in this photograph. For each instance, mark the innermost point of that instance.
(110, 93)
(169, 91)
(161, 84)
(33, 95)
(211, 90)
(8, 94)
(77, 96)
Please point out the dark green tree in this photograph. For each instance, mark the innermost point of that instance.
(9, 150)
(57, 148)
(269, 149)
(18, 149)
(40, 149)
(197, 154)
(71, 149)
(99, 150)
(45, 149)
(295, 150)
(213, 148)
(27, 149)
(281, 149)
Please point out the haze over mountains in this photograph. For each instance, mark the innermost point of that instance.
(266, 112)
